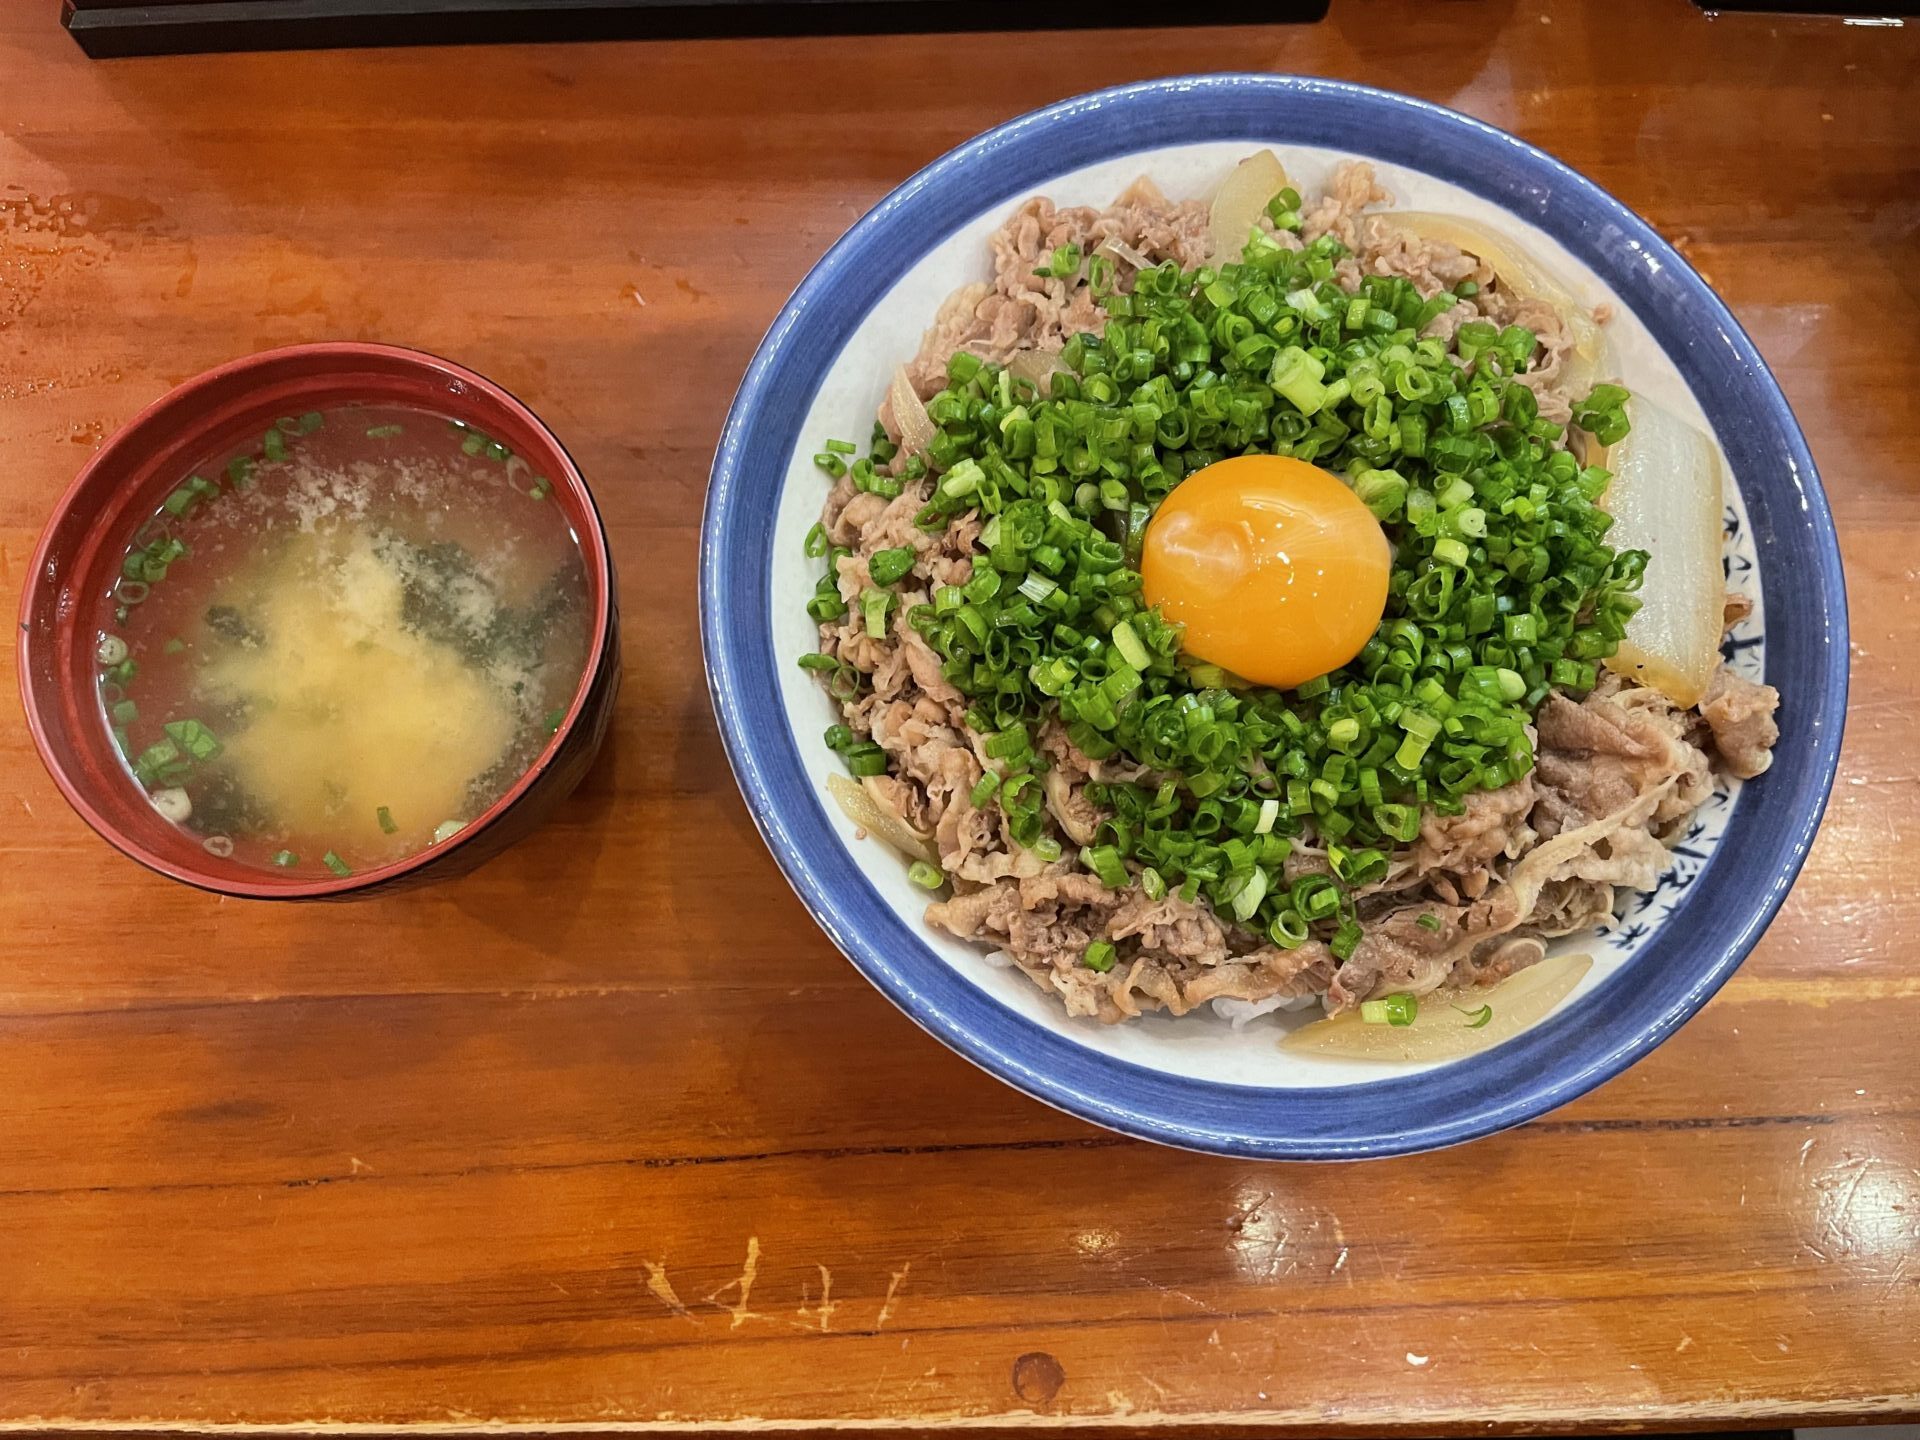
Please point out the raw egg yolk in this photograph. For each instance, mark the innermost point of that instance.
(1276, 569)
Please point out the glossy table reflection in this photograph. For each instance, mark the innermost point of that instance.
(607, 1132)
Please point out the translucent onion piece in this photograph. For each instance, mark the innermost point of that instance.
(1036, 367)
(1119, 250)
(1242, 199)
(1666, 499)
(859, 806)
(916, 427)
(1443, 1029)
(1520, 275)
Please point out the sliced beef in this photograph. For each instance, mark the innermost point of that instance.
(1493, 824)
(1170, 927)
(1078, 816)
(1740, 715)
(1594, 756)
(1349, 192)
(1024, 310)
(1413, 950)
(1430, 265)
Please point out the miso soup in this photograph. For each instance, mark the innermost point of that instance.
(335, 647)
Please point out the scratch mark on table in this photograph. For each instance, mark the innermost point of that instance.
(1685, 1341)
(823, 1312)
(894, 1283)
(1899, 1274)
(1192, 1300)
(662, 1288)
(738, 1309)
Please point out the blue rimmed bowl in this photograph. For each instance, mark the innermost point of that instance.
(1197, 1081)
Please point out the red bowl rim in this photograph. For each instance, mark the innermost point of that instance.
(594, 551)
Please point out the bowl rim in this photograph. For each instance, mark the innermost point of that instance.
(1030, 1056)
(34, 697)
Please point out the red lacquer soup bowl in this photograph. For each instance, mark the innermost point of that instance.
(80, 557)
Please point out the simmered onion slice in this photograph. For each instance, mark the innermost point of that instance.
(1241, 201)
(1666, 499)
(859, 806)
(1444, 1028)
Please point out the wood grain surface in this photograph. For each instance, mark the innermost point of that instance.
(607, 1132)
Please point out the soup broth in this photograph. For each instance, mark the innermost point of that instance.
(332, 649)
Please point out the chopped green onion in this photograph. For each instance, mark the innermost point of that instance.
(1346, 938)
(1104, 861)
(1247, 899)
(1288, 929)
(1477, 1018)
(274, 445)
(1392, 1010)
(927, 877)
(1429, 921)
(864, 760)
(311, 421)
(1064, 263)
(889, 567)
(1100, 955)
(334, 863)
(1127, 641)
(285, 858)
(384, 432)
(874, 605)
(385, 817)
(194, 738)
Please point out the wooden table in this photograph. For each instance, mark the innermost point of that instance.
(607, 1132)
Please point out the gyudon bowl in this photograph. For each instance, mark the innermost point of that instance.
(1219, 1077)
